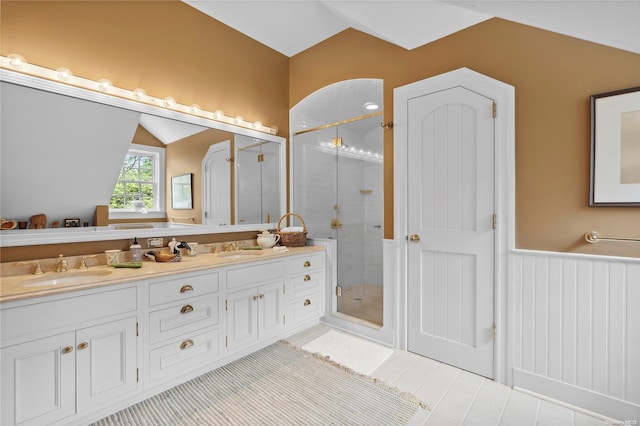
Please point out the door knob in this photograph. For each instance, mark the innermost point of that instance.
(414, 238)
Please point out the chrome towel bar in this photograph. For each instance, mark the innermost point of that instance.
(594, 237)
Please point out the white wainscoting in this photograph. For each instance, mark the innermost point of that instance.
(575, 329)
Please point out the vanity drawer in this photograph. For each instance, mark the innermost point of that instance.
(183, 287)
(69, 312)
(306, 308)
(182, 355)
(303, 264)
(255, 274)
(308, 283)
(184, 318)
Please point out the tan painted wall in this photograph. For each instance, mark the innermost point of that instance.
(165, 47)
(170, 49)
(553, 75)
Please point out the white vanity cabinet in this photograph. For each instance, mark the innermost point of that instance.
(67, 355)
(183, 325)
(72, 358)
(306, 282)
(254, 303)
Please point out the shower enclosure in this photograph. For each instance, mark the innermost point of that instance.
(337, 189)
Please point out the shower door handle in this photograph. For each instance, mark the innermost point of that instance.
(414, 238)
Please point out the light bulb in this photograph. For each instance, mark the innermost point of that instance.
(104, 85)
(64, 74)
(195, 109)
(169, 102)
(256, 125)
(274, 130)
(238, 120)
(218, 115)
(16, 61)
(139, 94)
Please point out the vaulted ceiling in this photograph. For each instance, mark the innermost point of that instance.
(292, 26)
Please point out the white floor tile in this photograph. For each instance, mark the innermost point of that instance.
(521, 409)
(457, 397)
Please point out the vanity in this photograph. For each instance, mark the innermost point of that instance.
(98, 340)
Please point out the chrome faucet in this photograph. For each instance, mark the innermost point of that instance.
(62, 264)
(38, 269)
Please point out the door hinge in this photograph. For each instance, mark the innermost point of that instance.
(137, 374)
(260, 158)
(284, 320)
(338, 291)
(226, 305)
(137, 329)
(284, 289)
(494, 330)
(494, 221)
(226, 341)
(494, 110)
(336, 142)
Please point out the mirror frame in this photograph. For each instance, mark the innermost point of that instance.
(103, 233)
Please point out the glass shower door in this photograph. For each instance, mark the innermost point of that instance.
(358, 219)
(338, 191)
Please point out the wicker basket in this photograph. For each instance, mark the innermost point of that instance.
(291, 238)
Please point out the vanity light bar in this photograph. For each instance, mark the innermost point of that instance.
(15, 62)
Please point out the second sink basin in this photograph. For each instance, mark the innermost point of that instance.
(240, 254)
(64, 278)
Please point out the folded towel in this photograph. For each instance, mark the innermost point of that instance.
(128, 265)
(292, 229)
(280, 248)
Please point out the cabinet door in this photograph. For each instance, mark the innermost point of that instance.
(38, 381)
(270, 309)
(242, 318)
(106, 362)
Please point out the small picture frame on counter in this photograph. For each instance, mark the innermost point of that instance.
(72, 223)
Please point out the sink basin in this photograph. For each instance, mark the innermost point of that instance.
(65, 278)
(240, 255)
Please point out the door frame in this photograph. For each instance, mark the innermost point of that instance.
(504, 154)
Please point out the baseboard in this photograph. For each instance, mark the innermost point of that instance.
(580, 399)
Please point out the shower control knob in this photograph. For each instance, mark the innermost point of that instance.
(414, 238)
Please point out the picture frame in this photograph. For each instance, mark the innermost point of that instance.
(182, 192)
(72, 223)
(615, 148)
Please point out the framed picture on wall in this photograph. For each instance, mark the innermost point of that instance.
(181, 192)
(615, 148)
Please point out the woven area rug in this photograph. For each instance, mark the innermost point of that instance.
(278, 385)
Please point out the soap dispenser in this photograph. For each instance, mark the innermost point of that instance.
(173, 246)
(135, 251)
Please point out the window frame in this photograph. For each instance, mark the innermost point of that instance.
(159, 184)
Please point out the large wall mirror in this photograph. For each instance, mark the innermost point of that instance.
(63, 149)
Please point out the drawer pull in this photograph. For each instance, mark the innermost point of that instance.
(255, 297)
(307, 302)
(307, 277)
(261, 296)
(186, 308)
(67, 349)
(186, 344)
(83, 345)
(186, 288)
(307, 264)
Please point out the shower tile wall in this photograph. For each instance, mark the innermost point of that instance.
(315, 184)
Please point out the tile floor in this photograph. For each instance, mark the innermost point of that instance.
(362, 301)
(457, 397)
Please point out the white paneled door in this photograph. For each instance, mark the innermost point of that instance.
(450, 190)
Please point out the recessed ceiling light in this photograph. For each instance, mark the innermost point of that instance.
(371, 105)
